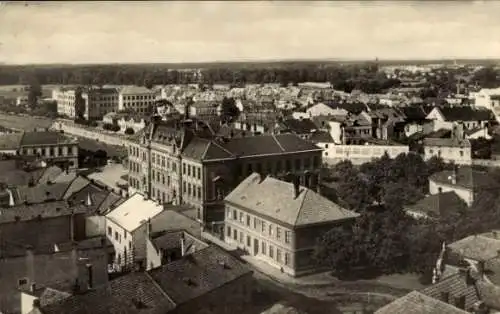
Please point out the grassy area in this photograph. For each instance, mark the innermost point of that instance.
(24, 122)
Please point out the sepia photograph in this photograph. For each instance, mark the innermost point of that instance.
(250, 157)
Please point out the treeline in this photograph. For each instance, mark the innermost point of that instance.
(362, 76)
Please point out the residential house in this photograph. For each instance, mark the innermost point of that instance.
(136, 98)
(488, 98)
(437, 206)
(383, 121)
(67, 267)
(179, 162)
(466, 182)
(322, 109)
(122, 224)
(205, 109)
(447, 117)
(9, 143)
(353, 130)
(477, 133)
(197, 283)
(52, 147)
(417, 302)
(279, 222)
(22, 101)
(456, 149)
(98, 102)
(415, 121)
(304, 128)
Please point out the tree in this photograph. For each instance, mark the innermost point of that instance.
(229, 111)
(129, 131)
(79, 104)
(35, 91)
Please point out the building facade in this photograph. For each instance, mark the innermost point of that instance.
(184, 164)
(136, 98)
(279, 222)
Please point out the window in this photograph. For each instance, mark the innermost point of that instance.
(184, 187)
(288, 236)
(235, 235)
(270, 229)
(189, 189)
(124, 234)
(278, 255)
(163, 179)
(249, 169)
(235, 214)
(116, 236)
(248, 220)
(199, 193)
(263, 248)
(461, 153)
(241, 237)
(249, 241)
(258, 167)
(228, 231)
(199, 173)
(307, 162)
(271, 251)
(130, 245)
(110, 231)
(287, 258)
(183, 168)
(22, 282)
(278, 233)
(278, 166)
(189, 170)
(241, 217)
(263, 226)
(254, 222)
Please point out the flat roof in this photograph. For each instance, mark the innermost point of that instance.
(131, 213)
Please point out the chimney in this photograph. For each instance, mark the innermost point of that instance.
(454, 175)
(480, 268)
(33, 287)
(88, 201)
(466, 275)
(148, 227)
(90, 276)
(444, 296)
(183, 245)
(11, 198)
(30, 263)
(296, 186)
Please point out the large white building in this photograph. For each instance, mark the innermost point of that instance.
(488, 98)
(136, 98)
(98, 102)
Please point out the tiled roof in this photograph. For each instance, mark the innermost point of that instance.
(418, 303)
(321, 137)
(299, 126)
(476, 247)
(76, 185)
(171, 219)
(10, 141)
(50, 296)
(96, 195)
(132, 90)
(268, 144)
(466, 177)
(466, 114)
(42, 192)
(45, 138)
(202, 149)
(414, 114)
(275, 198)
(168, 240)
(439, 205)
(456, 286)
(446, 142)
(130, 294)
(198, 273)
(111, 200)
(50, 174)
(38, 211)
(489, 294)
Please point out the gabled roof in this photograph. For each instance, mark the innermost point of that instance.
(45, 138)
(414, 114)
(465, 113)
(120, 295)
(131, 213)
(203, 149)
(42, 192)
(198, 273)
(457, 286)
(321, 137)
(418, 303)
(439, 205)
(477, 247)
(489, 294)
(39, 211)
(302, 126)
(275, 199)
(10, 141)
(466, 177)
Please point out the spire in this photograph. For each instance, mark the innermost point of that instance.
(89, 200)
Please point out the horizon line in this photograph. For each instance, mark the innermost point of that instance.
(298, 60)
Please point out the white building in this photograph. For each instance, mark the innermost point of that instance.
(123, 222)
(97, 101)
(65, 99)
(136, 98)
(488, 98)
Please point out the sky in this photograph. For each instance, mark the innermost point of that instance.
(176, 32)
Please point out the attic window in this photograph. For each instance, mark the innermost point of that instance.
(224, 265)
(22, 282)
(189, 282)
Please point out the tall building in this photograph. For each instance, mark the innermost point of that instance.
(136, 98)
(98, 102)
(184, 163)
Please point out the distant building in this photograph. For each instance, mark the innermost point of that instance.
(456, 149)
(97, 102)
(136, 98)
(488, 98)
(279, 222)
(470, 118)
(22, 101)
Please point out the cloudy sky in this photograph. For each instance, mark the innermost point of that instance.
(101, 32)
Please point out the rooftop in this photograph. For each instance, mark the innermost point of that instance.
(131, 213)
(465, 177)
(477, 247)
(418, 303)
(275, 199)
(456, 286)
(10, 141)
(446, 142)
(39, 211)
(45, 138)
(439, 205)
(466, 113)
(132, 90)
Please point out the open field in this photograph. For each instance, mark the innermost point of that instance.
(24, 122)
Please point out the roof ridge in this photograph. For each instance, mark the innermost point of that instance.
(157, 286)
(221, 147)
(206, 150)
(277, 142)
(301, 205)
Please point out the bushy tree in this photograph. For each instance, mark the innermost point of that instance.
(229, 111)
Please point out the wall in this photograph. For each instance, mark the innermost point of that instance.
(359, 153)
(121, 243)
(153, 256)
(27, 302)
(95, 226)
(464, 194)
(458, 155)
(90, 133)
